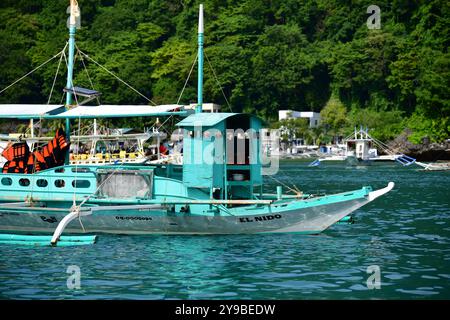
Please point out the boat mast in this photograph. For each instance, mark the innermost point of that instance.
(198, 109)
(72, 25)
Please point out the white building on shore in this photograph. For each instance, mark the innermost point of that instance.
(295, 145)
(206, 107)
(314, 117)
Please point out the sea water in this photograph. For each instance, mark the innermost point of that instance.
(399, 248)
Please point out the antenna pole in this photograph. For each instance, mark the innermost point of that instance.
(72, 25)
(199, 107)
(70, 62)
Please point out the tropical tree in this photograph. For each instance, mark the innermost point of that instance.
(334, 116)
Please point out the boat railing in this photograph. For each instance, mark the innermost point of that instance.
(107, 156)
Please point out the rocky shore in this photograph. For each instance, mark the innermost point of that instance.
(425, 151)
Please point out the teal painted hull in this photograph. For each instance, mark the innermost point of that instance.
(290, 217)
(28, 240)
(46, 244)
(167, 206)
(217, 190)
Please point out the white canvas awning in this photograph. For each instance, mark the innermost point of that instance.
(44, 111)
(120, 111)
(29, 111)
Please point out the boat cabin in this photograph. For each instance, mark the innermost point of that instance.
(221, 154)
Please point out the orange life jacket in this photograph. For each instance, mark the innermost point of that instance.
(62, 140)
(18, 150)
(6, 167)
(14, 166)
(51, 155)
(30, 168)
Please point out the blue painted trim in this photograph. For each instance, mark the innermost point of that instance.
(70, 62)
(198, 109)
(69, 83)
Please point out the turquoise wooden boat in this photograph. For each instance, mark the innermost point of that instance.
(217, 190)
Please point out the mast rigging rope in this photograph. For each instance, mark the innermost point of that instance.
(56, 75)
(35, 69)
(218, 82)
(117, 77)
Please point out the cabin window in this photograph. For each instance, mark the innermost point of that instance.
(238, 139)
(59, 170)
(126, 184)
(60, 183)
(178, 169)
(6, 181)
(24, 182)
(42, 183)
(81, 183)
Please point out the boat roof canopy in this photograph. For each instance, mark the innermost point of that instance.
(204, 119)
(30, 111)
(115, 111)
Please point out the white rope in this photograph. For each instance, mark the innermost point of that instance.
(56, 75)
(111, 73)
(87, 73)
(192, 68)
(76, 163)
(162, 125)
(285, 175)
(65, 59)
(26, 75)
(101, 184)
(61, 54)
(34, 170)
(78, 147)
(284, 184)
(116, 170)
(218, 82)
(79, 128)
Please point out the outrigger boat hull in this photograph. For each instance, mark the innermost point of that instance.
(217, 190)
(308, 216)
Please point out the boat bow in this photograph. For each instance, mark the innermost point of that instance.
(377, 193)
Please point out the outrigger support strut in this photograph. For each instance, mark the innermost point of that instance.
(74, 213)
(56, 239)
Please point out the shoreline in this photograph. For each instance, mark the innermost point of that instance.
(425, 151)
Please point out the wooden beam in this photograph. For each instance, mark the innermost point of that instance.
(177, 201)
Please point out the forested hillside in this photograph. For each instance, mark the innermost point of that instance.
(267, 55)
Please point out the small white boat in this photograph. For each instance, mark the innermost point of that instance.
(361, 149)
(434, 166)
